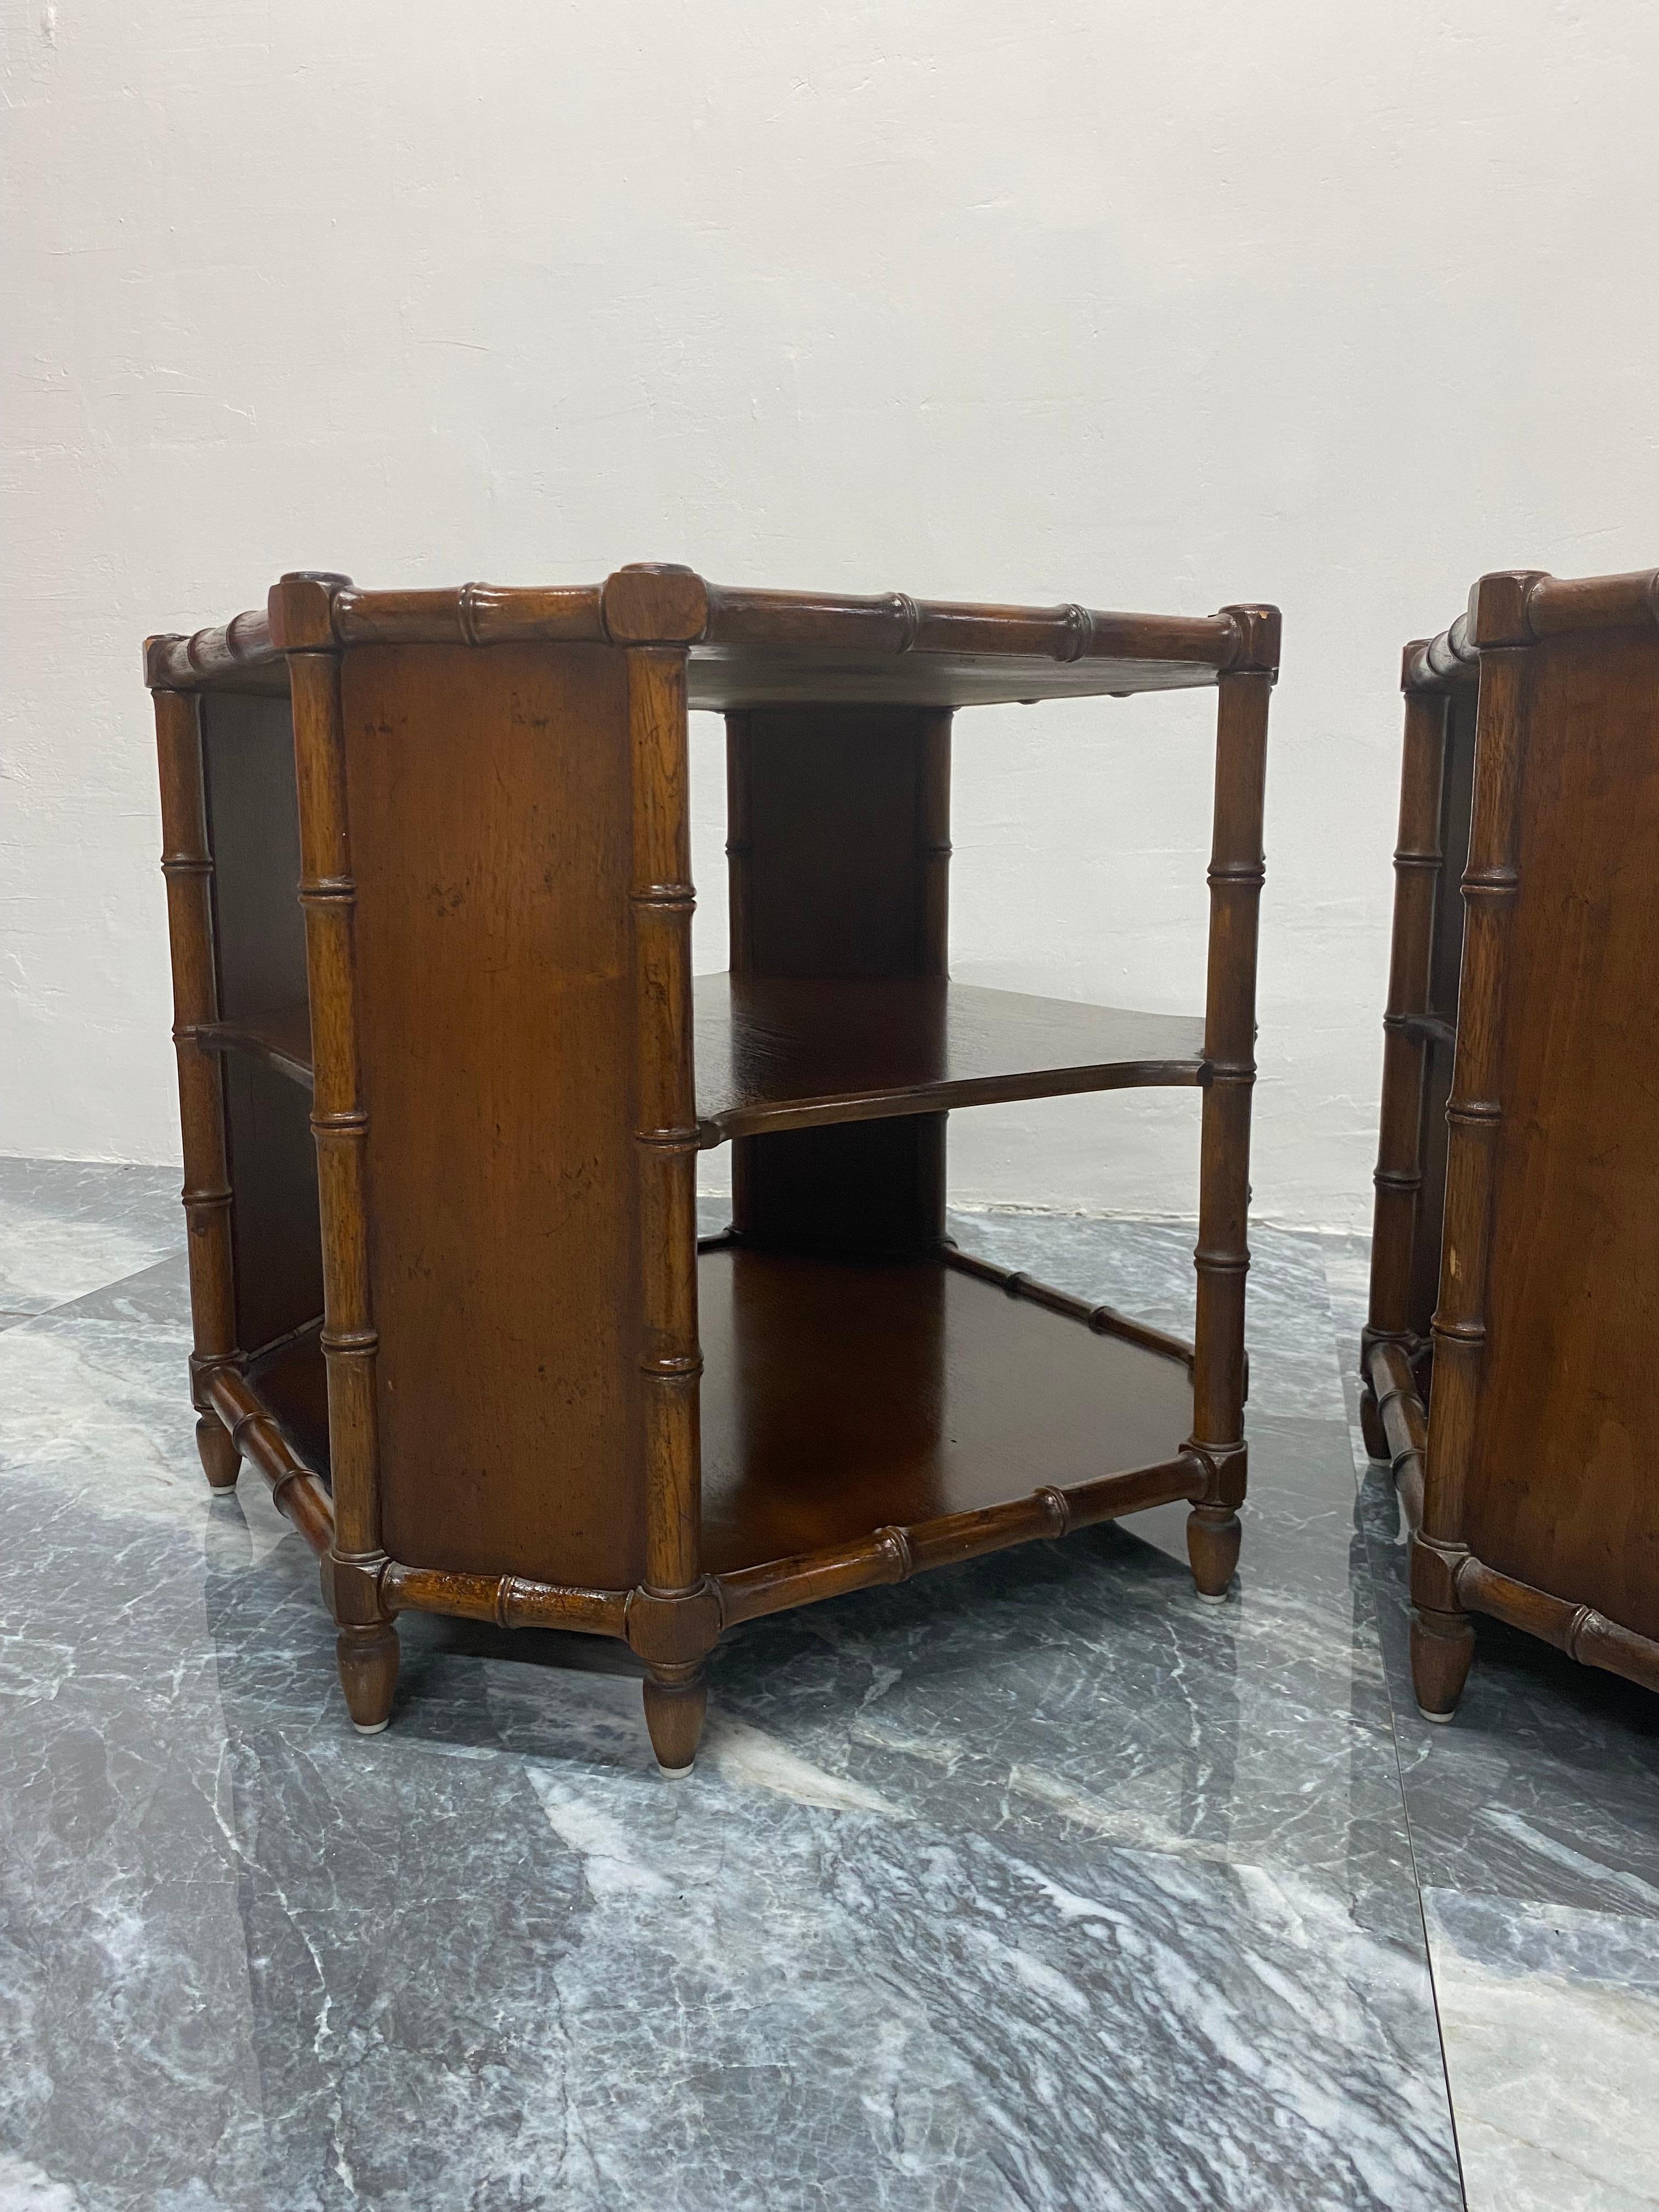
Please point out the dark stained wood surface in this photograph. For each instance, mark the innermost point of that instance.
(187, 870)
(1563, 1491)
(840, 1396)
(253, 823)
(838, 834)
(773, 1053)
(1530, 1488)
(282, 1039)
(724, 679)
(496, 1015)
(1543, 606)
(1445, 966)
(776, 1053)
(756, 648)
(490, 814)
(292, 1379)
(274, 1209)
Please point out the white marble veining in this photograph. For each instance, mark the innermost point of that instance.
(68, 1226)
(1031, 1884)
(1551, 2021)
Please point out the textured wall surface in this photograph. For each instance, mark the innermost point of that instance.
(1148, 306)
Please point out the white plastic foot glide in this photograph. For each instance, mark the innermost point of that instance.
(1211, 1597)
(372, 1728)
(673, 1773)
(1440, 1720)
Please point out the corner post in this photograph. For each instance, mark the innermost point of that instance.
(1222, 1257)
(653, 614)
(1418, 861)
(187, 865)
(1442, 1638)
(301, 623)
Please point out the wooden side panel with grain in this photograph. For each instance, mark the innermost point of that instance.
(490, 810)
(1562, 1491)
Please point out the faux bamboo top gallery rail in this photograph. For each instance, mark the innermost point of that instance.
(1550, 606)
(707, 615)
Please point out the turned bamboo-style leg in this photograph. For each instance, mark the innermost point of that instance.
(1399, 1177)
(1441, 1640)
(1222, 1258)
(303, 623)
(1442, 1647)
(217, 1449)
(676, 1704)
(188, 865)
(671, 1362)
(367, 1656)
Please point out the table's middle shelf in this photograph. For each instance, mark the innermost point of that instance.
(777, 1054)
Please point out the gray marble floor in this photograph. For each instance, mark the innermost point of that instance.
(1032, 1884)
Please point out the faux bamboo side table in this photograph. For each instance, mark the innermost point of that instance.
(470, 1335)
(1515, 1268)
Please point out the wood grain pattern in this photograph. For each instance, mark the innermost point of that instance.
(776, 1052)
(773, 1053)
(838, 1395)
(756, 648)
(1530, 1488)
(1222, 1257)
(259, 1436)
(839, 874)
(661, 900)
(494, 1019)
(1561, 1488)
(490, 800)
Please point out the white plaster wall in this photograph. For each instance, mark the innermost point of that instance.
(1152, 306)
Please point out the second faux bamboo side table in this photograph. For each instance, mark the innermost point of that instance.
(452, 1303)
(1507, 1366)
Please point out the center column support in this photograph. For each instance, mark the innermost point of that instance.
(838, 824)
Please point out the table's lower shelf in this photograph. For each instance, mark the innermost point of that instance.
(840, 1397)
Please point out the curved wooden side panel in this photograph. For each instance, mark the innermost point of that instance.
(492, 818)
(1561, 1486)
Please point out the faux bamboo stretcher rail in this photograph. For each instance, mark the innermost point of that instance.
(1550, 607)
(780, 1055)
(736, 636)
(890, 1554)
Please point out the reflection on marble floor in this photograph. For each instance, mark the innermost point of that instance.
(1081, 1895)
